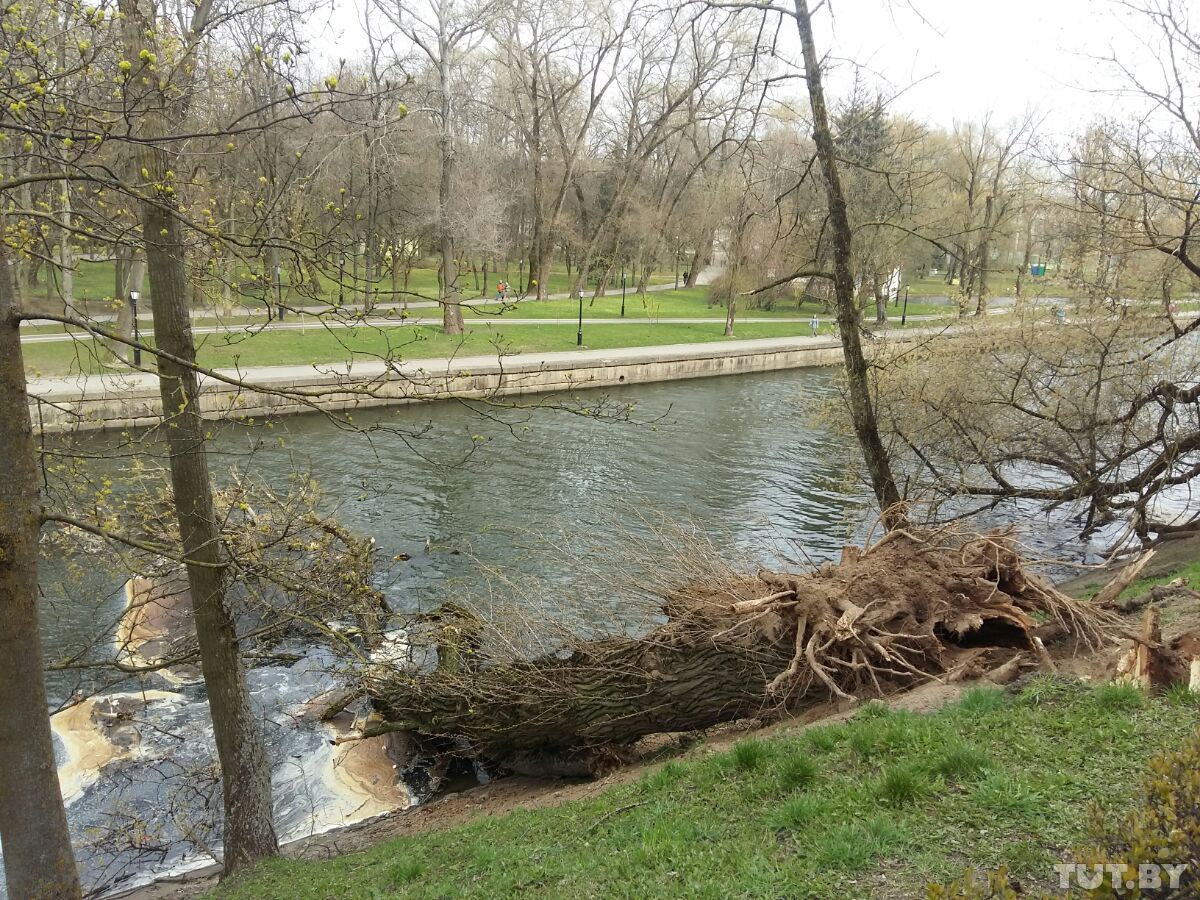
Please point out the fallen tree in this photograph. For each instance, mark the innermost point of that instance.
(910, 608)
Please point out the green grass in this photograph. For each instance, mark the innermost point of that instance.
(998, 778)
(1190, 573)
(676, 304)
(269, 348)
(96, 281)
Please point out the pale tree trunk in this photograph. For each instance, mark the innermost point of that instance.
(984, 262)
(33, 824)
(65, 262)
(120, 261)
(877, 288)
(584, 260)
(133, 273)
(249, 832)
(1025, 261)
(452, 317)
(862, 409)
(700, 260)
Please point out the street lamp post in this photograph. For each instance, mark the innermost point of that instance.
(137, 335)
(279, 291)
(579, 336)
(622, 290)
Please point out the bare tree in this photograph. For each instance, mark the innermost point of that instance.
(245, 770)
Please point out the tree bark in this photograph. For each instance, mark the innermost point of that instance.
(907, 609)
(452, 317)
(700, 260)
(38, 861)
(984, 262)
(862, 408)
(249, 832)
(1025, 260)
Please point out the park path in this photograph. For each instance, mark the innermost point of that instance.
(397, 322)
(117, 384)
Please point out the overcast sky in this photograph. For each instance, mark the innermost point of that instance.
(955, 59)
(958, 58)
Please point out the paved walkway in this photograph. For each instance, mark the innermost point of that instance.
(396, 322)
(117, 384)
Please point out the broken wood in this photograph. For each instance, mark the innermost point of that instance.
(1107, 595)
(1008, 672)
(1142, 664)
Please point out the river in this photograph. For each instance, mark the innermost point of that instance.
(742, 459)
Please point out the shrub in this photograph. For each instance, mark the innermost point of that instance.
(1163, 828)
(972, 887)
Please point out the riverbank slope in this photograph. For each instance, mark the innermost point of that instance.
(866, 802)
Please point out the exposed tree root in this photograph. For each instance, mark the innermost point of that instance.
(910, 608)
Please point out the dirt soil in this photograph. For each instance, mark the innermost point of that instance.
(516, 792)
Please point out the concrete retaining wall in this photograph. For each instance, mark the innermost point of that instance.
(112, 402)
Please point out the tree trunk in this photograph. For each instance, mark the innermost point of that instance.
(245, 770)
(700, 260)
(452, 317)
(33, 824)
(1025, 260)
(249, 832)
(862, 407)
(903, 611)
(66, 263)
(984, 261)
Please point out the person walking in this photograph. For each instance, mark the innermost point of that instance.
(814, 324)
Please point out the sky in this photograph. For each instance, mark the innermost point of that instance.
(950, 60)
(954, 59)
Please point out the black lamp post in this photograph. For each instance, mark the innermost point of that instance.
(137, 335)
(904, 314)
(279, 291)
(622, 290)
(579, 336)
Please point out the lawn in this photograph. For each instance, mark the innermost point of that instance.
(96, 281)
(876, 806)
(1000, 284)
(675, 304)
(268, 348)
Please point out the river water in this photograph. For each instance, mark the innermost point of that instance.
(744, 460)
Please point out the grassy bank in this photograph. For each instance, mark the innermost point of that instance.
(872, 807)
(682, 303)
(410, 342)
